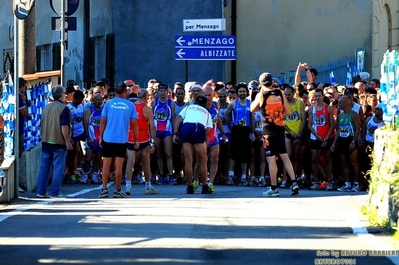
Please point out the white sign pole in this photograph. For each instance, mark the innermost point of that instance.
(63, 40)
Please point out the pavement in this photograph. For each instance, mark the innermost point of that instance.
(235, 225)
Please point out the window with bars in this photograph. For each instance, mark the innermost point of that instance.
(8, 61)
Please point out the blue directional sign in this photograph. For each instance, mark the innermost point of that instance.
(205, 47)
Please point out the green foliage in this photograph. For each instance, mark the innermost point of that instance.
(374, 219)
(384, 171)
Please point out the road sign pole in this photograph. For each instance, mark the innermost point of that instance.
(186, 65)
(63, 40)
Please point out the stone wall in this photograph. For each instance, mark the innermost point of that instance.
(29, 165)
(384, 172)
(8, 166)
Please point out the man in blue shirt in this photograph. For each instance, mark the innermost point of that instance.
(23, 112)
(117, 115)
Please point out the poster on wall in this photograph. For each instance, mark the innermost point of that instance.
(389, 89)
(360, 59)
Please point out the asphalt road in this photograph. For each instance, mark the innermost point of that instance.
(236, 225)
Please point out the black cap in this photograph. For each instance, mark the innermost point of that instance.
(105, 80)
(201, 100)
(265, 77)
(70, 89)
(21, 81)
(99, 83)
(349, 91)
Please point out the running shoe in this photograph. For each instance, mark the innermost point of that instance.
(195, 185)
(40, 196)
(95, 179)
(206, 190)
(356, 187)
(230, 180)
(271, 193)
(323, 185)
(211, 187)
(162, 180)
(73, 179)
(59, 196)
(190, 189)
(119, 194)
(315, 186)
(84, 178)
(294, 189)
(242, 182)
(128, 190)
(262, 182)
(346, 187)
(283, 184)
(253, 182)
(151, 191)
(329, 186)
(104, 194)
(172, 180)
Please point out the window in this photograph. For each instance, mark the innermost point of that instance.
(8, 61)
(44, 58)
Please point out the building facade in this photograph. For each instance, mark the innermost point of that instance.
(135, 39)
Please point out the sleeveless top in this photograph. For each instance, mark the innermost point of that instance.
(94, 126)
(222, 115)
(356, 107)
(346, 125)
(258, 121)
(142, 122)
(321, 122)
(293, 120)
(272, 110)
(178, 108)
(241, 115)
(371, 127)
(77, 119)
(213, 110)
(163, 115)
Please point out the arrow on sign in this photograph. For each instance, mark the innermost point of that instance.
(180, 53)
(180, 41)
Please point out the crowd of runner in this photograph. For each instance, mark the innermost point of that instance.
(257, 133)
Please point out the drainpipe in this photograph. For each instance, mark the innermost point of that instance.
(86, 45)
(234, 33)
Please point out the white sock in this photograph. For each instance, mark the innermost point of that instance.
(243, 176)
(147, 185)
(231, 173)
(128, 183)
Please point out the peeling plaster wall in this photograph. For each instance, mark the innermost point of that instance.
(145, 39)
(275, 35)
(380, 31)
(6, 31)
